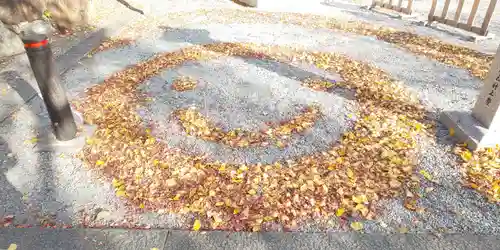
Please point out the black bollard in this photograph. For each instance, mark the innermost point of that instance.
(42, 63)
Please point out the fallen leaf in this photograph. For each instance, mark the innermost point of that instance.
(426, 175)
(121, 193)
(357, 225)
(386, 120)
(350, 173)
(466, 155)
(360, 198)
(339, 212)
(196, 225)
(452, 131)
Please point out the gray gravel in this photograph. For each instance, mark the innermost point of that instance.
(244, 93)
(449, 206)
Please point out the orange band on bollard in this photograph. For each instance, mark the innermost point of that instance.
(36, 45)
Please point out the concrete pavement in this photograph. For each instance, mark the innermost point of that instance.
(33, 238)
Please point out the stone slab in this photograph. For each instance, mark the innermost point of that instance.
(469, 130)
(75, 239)
(331, 241)
(124, 239)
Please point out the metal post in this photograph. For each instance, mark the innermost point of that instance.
(42, 63)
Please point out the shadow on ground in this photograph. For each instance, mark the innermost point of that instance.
(39, 206)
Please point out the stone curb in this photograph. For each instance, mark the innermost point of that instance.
(35, 238)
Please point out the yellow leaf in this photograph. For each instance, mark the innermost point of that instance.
(196, 225)
(252, 192)
(46, 14)
(268, 218)
(340, 212)
(141, 206)
(236, 211)
(426, 175)
(418, 126)
(220, 203)
(360, 207)
(357, 225)
(403, 230)
(176, 197)
(89, 141)
(116, 183)
(99, 162)
(466, 155)
(12, 247)
(339, 160)
(33, 140)
(360, 198)
(156, 162)
(452, 132)
(154, 248)
(350, 173)
(120, 193)
(236, 180)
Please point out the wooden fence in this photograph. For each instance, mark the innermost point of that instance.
(455, 22)
(388, 4)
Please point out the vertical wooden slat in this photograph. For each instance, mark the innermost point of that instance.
(400, 3)
(473, 12)
(459, 10)
(445, 9)
(430, 17)
(487, 18)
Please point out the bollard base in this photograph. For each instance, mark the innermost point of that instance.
(469, 130)
(49, 143)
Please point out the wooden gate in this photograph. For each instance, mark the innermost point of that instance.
(455, 22)
(388, 4)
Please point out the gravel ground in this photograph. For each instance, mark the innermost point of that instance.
(449, 207)
(60, 186)
(247, 93)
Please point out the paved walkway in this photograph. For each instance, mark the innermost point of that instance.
(119, 239)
